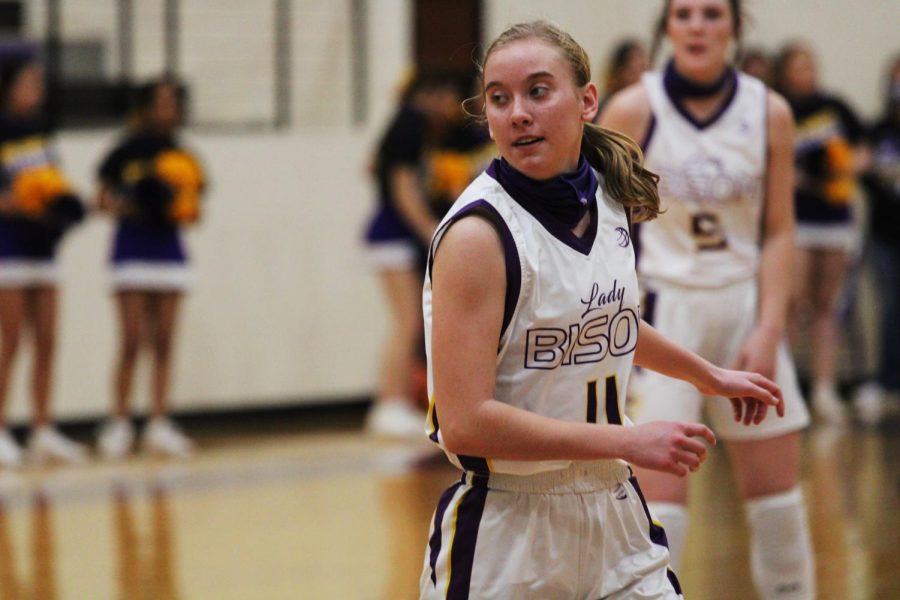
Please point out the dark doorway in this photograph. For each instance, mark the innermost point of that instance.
(447, 34)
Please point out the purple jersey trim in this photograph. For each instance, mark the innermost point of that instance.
(761, 233)
(511, 254)
(651, 128)
(433, 436)
(648, 310)
(703, 124)
(582, 244)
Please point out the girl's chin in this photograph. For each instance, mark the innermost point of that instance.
(530, 167)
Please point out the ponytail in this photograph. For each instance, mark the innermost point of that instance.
(620, 161)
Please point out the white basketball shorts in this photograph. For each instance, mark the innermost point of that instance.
(582, 533)
(714, 324)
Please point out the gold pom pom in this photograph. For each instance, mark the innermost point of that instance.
(33, 189)
(180, 171)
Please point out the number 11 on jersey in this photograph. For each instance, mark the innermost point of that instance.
(613, 414)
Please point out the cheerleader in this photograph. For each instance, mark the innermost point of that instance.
(828, 155)
(37, 207)
(151, 185)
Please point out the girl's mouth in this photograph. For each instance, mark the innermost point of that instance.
(530, 141)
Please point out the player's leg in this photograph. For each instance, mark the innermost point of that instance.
(767, 474)
(766, 462)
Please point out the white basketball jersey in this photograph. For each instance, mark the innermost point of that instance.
(571, 326)
(712, 188)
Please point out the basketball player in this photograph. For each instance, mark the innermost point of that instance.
(715, 268)
(530, 305)
(36, 209)
(150, 269)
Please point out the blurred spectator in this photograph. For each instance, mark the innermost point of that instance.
(152, 186)
(397, 240)
(827, 159)
(624, 66)
(755, 61)
(37, 207)
(882, 183)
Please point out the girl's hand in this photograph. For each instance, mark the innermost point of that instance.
(751, 394)
(667, 446)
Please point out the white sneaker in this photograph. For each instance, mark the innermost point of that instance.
(869, 403)
(48, 445)
(163, 437)
(116, 438)
(10, 452)
(827, 405)
(395, 419)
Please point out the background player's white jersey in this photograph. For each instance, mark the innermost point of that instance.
(570, 328)
(711, 186)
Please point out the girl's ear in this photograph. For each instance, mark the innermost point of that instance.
(591, 100)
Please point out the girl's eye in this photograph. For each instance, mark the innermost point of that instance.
(497, 98)
(539, 91)
(712, 14)
(682, 14)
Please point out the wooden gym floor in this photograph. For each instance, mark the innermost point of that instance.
(308, 507)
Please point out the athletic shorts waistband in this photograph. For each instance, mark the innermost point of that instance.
(580, 477)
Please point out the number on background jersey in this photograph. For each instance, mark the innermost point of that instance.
(613, 416)
(708, 231)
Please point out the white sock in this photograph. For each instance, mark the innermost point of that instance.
(674, 519)
(781, 554)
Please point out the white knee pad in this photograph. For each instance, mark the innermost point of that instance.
(781, 553)
(674, 519)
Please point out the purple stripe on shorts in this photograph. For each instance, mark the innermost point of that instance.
(435, 542)
(674, 581)
(476, 464)
(657, 533)
(462, 553)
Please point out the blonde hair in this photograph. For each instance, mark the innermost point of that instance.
(615, 156)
